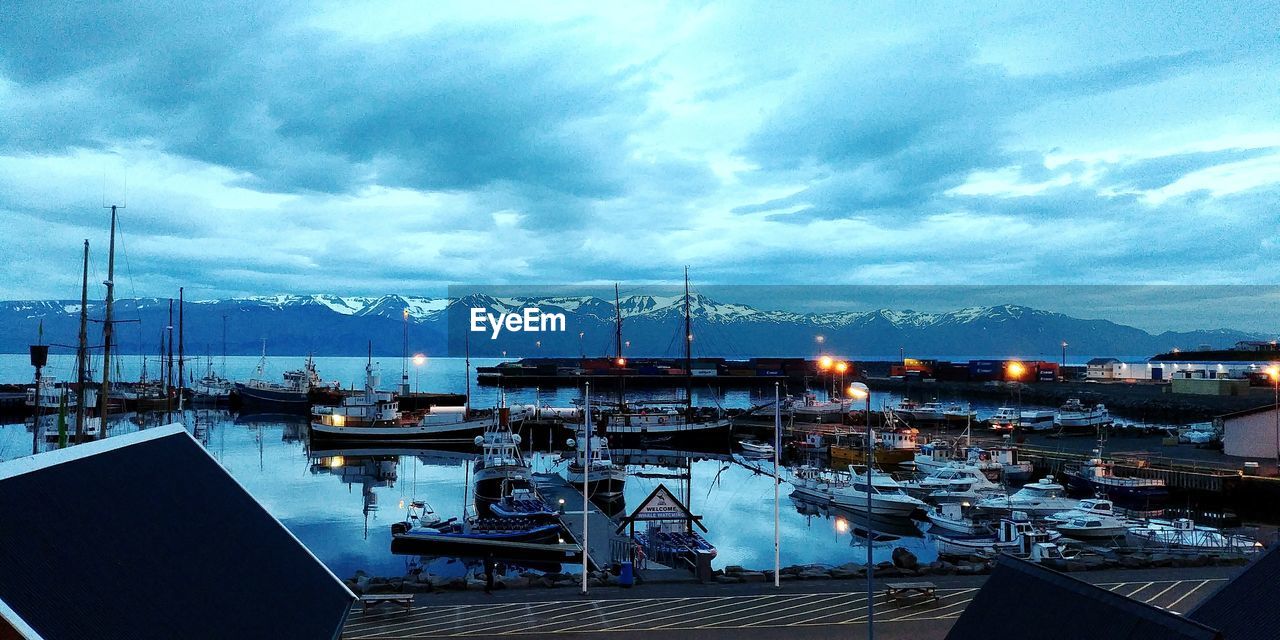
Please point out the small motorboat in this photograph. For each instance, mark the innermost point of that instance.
(522, 502)
(667, 539)
(1015, 534)
(1004, 419)
(1184, 535)
(886, 497)
(1037, 499)
(423, 524)
(756, 448)
(949, 518)
(958, 482)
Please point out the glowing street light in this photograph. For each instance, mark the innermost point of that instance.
(824, 363)
(1274, 372)
(418, 360)
(842, 525)
(1015, 370)
(622, 362)
(860, 390)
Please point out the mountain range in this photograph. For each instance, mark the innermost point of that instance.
(652, 326)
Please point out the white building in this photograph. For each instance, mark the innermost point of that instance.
(1250, 433)
(1102, 369)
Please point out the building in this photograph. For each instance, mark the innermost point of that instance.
(144, 536)
(1250, 433)
(1256, 345)
(1025, 600)
(1211, 386)
(1102, 369)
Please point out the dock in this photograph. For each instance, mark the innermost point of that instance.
(554, 490)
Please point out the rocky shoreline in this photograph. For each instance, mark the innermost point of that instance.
(904, 565)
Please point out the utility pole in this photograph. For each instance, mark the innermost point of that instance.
(107, 328)
(82, 347)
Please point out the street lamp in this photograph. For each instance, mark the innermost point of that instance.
(1015, 370)
(1064, 353)
(824, 365)
(860, 390)
(841, 367)
(418, 360)
(1274, 372)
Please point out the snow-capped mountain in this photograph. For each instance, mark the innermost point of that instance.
(652, 325)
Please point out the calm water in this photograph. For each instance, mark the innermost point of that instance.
(343, 509)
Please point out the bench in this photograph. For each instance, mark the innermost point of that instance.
(899, 591)
(374, 599)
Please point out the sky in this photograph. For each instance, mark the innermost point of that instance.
(357, 148)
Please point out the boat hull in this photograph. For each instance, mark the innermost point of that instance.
(277, 401)
(607, 484)
(407, 433)
(1129, 496)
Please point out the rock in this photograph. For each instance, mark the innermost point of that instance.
(815, 574)
(612, 580)
(455, 584)
(1132, 562)
(904, 559)
(970, 569)
(889, 572)
(733, 568)
(845, 574)
(852, 566)
(547, 582)
(727, 579)
(377, 581)
(474, 584)
(1162, 560)
(751, 576)
(396, 584)
(793, 570)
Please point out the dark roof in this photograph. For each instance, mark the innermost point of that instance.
(1245, 608)
(145, 535)
(1270, 406)
(1102, 361)
(1026, 600)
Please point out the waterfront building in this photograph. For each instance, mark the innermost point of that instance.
(144, 535)
(1250, 433)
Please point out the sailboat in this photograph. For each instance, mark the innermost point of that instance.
(656, 420)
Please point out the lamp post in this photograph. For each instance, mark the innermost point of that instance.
(824, 365)
(418, 360)
(841, 367)
(1274, 372)
(1064, 353)
(860, 390)
(1015, 370)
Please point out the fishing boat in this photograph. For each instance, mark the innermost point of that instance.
(372, 416)
(1004, 419)
(755, 448)
(807, 408)
(1015, 534)
(502, 469)
(54, 395)
(1182, 534)
(1036, 420)
(892, 448)
(1096, 476)
(211, 387)
(605, 478)
(293, 395)
(1036, 499)
(1074, 417)
(1093, 518)
(927, 412)
(886, 497)
(1013, 470)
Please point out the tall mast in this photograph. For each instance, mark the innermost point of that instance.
(688, 350)
(107, 330)
(404, 360)
(224, 346)
(82, 347)
(466, 351)
(182, 381)
(168, 376)
(617, 347)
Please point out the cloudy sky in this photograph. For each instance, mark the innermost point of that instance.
(401, 147)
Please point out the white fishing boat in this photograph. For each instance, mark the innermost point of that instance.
(1074, 416)
(212, 387)
(605, 478)
(927, 412)
(807, 408)
(53, 395)
(815, 485)
(369, 416)
(502, 468)
(1036, 499)
(1182, 534)
(959, 413)
(886, 497)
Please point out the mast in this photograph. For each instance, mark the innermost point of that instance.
(168, 377)
(82, 347)
(404, 360)
(182, 381)
(466, 352)
(224, 346)
(617, 348)
(107, 330)
(688, 350)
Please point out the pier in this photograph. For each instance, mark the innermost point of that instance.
(558, 492)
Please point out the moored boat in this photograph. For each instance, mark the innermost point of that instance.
(1036, 499)
(1182, 534)
(1096, 476)
(1015, 534)
(605, 479)
(1075, 417)
(886, 497)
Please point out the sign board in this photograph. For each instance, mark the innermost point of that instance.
(661, 505)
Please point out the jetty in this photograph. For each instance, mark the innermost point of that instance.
(557, 492)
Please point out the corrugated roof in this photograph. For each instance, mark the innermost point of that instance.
(147, 536)
(1245, 608)
(1026, 600)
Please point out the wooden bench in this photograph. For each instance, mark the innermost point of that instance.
(374, 599)
(911, 591)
